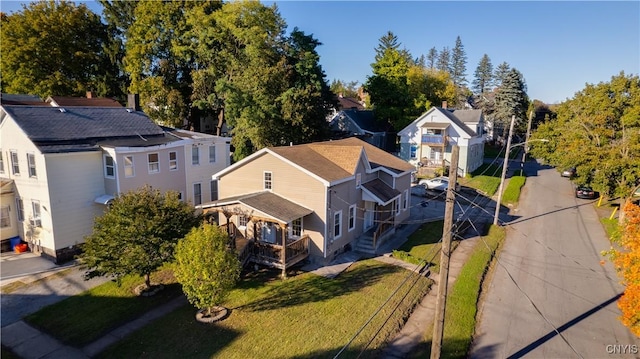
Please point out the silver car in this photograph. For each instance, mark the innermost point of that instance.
(437, 184)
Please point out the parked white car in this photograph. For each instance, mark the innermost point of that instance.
(437, 184)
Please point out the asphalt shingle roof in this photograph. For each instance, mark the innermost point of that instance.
(49, 124)
(268, 203)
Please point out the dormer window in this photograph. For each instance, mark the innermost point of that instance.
(268, 180)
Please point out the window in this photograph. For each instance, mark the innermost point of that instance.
(212, 154)
(268, 180)
(197, 194)
(358, 180)
(296, 227)
(36, 221)
(214, 190)
(129, 170)
(396, 206)
(405, 201)
(109, 167)
(154, 163)
(20, 209)
(242, 220)
(195, 155)
(15, 166)
(1, 162)
(173, 161)
(337, 225)
(352, 217)
(31, 162)
(4, 217)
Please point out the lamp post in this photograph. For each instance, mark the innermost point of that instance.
(505, 165)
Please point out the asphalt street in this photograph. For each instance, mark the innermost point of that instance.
(550, 295)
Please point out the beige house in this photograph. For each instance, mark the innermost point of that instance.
(67, 163)
(314, 200)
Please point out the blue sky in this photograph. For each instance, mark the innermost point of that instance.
(557, 46)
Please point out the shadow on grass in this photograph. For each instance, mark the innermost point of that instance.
(315, 288)
(458, 348)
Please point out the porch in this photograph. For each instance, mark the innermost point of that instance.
(264, 228)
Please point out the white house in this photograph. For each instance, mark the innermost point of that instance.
(428, 140)
(67, 163)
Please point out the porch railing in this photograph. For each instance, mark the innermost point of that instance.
(271, 254)
(383, 227)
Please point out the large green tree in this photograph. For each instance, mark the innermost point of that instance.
(56, 48)
(205, 266)
(137, 234)
(511, 99)
(598, 132)
(459, 64)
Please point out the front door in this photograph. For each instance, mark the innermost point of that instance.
(369, 212)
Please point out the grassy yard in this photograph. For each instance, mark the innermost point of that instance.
(511, 194)
(81, 319)
(462, 301)
(305, 316)
(424, 245)
(485, 179)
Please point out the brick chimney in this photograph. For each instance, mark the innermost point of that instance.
(133, 101)
(444, 104)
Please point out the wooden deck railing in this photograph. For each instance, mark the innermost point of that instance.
(383, 227)
(271, 254)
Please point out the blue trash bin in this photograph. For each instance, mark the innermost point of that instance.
(14, 242)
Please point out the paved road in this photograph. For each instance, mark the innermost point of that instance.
(550, 278)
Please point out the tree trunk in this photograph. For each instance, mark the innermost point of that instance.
(147, 280)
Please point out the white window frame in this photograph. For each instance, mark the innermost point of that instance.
(267, 182)
(337, 224)
(31, 165)
(199, 192)
(20, 209)
(15, 163)
(107, 166)
(212, 159)
(150, 164)
(5, 217)
(242, 221)
(36, 212)
(129, 169)
(396, 206)
(195, 155)
(358, 180)
(1, 161)
(352, 217)
(295, 228)
(173, 163)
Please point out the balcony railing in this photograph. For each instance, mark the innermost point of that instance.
(271, 254)
(434, 139)
(383, 227)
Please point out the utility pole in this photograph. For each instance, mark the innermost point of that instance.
(505, 164)
(445, 255)
(526, 142)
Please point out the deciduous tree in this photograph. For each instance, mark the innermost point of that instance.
(56, 48)
(137, 234)
(205, 266)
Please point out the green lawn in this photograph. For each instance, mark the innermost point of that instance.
(485, 179)
(81, 319)
(511, 194)
(304, 316)
(424, 245)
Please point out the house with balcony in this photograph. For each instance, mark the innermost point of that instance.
(427, 141)
(65, 164)
(313, 201)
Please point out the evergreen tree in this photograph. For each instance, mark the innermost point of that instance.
(459, 64)
(432, 58)
(511, 99)
(483, 77)
(387, 41)
(444, 60)
(501, 74)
